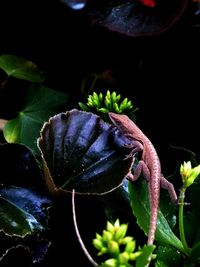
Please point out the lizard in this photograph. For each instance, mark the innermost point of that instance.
(149, 166)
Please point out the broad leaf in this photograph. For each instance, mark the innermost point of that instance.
(193, 214)
(28, 203)
(195, 254)
(16, 221)
(32, 249)
(135, 19)
(143, 259)
(19, 254)
(22, 206)
(41, 103)
(167, 256)
(21, 68)
(19, 167)
(140, 206)
(82, 152)
(117, 203)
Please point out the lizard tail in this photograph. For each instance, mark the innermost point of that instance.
(152, 230)
(154, 200)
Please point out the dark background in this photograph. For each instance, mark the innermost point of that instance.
(159, 73)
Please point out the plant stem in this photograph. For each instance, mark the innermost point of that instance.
(181, 223)
(78, 234)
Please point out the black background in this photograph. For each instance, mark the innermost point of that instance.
(160, 73)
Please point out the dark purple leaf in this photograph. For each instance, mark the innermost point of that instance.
(20, 256)
(22, 193)
(28, 251)
(133, 18)
(84, 153)
(24, 207)
(28, 201)
(19, 167)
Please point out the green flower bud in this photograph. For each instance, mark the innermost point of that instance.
(107, 236)
(112, 241)
(98, 244)
(113, 96)
(130, 246)
(129, 104)
(121, 231)
(124, 103)
(134, 256)
(104, 250)
(123, 257)
(100, 97)
(98, 237)
(117, 223)
(111, 263)
(118, 98)
(189, 174)
(109, 227)
(116, 108)
(103, 110)
(108, 95)
(126, 240)
(96, 102)
(95, 96)
(107, 103)
(90, 103)
(113, 247)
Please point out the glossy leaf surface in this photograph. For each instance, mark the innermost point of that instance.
(84, 153)
(21, 68)
(133, 18)
(16, 221)
(23, 208)
(140, 206)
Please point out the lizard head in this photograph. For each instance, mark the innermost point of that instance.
(120, 121)
(126, 126)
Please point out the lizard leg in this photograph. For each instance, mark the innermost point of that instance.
(136, 147)
(141, 168)
(164, 183)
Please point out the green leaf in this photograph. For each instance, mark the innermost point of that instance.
(41, 103)
(143, 259)
(140, 207)
(195, 254)
(21, 68)
(83, 107)
(167, 256)
(193, 215)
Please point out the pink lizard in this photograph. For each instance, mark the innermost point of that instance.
(149, 166)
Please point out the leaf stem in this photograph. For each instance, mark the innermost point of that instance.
(181, 223)
(89, 257)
